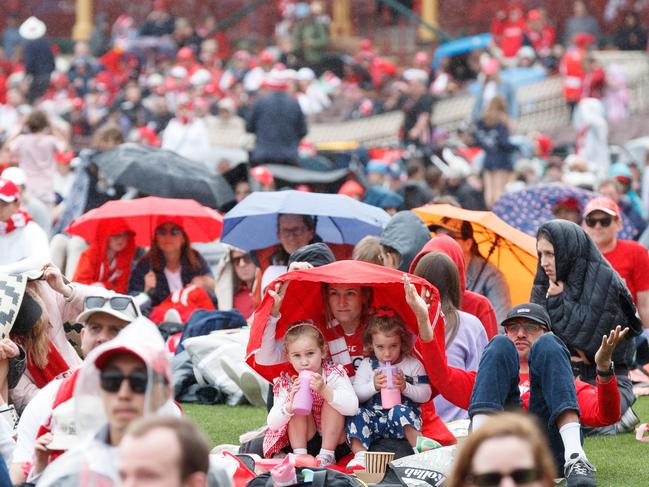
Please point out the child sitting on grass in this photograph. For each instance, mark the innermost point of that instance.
(387, 341)
(333, 399)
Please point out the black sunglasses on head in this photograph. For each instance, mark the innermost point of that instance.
(605, 222)
(118, 303)
(111, 381)
(521, 476)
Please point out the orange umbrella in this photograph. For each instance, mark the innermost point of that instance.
(509, 249)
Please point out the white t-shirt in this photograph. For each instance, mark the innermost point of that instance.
(174, 279)
(24, 249)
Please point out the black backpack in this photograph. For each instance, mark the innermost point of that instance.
(323, 477)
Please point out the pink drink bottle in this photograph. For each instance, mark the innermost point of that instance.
(303, 399)
(390, 396)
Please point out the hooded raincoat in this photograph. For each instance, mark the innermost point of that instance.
(406, 234)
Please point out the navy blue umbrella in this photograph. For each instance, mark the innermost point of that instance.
(252, 224)
(529, 208)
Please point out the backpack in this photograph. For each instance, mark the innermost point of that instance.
(323, 477)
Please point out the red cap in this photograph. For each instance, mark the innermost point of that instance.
(534, 14)
(155, 359)
(602, 203)
(583, 39)
(545, 145)
(569, 203)
(185, 54)
(352, 188)
(64, 157)
(9, 192)
(262, 175)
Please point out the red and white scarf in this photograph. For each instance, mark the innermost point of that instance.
(17, 220)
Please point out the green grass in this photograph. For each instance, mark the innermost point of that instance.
(620, 460)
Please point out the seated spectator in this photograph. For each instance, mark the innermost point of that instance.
(121, 381)
(368, 249)
(530, 367)
(173, 267)
(102, 320)
(172, 450)
(584, 296)
(506, 446)
(235, 280)
(23, 244)
(632, 36)
(464, 333)
(107, 262)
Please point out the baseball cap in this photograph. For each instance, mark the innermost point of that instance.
(15, 174)
(139, 339)
(120, 306)
(602, 203)
(9, 192)
(530, 311)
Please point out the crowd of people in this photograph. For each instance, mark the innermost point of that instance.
(389, 338)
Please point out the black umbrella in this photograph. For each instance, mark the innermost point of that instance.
(159, 172)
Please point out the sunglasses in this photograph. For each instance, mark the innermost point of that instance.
(163, 232)
(111, 381)
(242, 259)
(604, 222)
(521, 476)
(118, 303)
(529, 327)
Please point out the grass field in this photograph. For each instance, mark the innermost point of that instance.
(620, 460)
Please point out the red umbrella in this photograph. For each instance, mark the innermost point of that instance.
(143, 215)
(303, 300)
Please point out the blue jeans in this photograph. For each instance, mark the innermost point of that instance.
(552, 387)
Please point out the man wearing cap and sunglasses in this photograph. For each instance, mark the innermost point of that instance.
(121, 380)
(103, 317)
(602, 223)
(530, 367)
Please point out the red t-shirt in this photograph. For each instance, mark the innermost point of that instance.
(631, 261)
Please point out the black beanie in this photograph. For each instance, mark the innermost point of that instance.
(28, 314)
(316, 254)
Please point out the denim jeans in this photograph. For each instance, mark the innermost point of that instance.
(552, 387)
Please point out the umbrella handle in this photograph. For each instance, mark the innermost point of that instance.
(491, 251)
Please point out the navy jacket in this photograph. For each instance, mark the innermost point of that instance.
(279, 124)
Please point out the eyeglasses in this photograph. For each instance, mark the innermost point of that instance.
(242, 259)
(515, 327)
(111, 381)
(118, 303)
(605, 222)
(163, 232)
(292, 232)
(521, 476)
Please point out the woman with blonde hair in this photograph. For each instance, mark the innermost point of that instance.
(507, 446)
(492, 136)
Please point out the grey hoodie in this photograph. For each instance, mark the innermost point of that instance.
(406, 234)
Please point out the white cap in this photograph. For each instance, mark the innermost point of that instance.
(305, 74)
(15, 174)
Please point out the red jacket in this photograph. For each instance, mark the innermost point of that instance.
(598, 406)
(472, 303)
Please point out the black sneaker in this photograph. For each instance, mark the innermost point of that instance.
(578, 472)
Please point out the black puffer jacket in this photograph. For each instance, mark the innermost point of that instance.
(594, 298)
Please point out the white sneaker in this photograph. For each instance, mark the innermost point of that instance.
(325, 459)
(358, 462)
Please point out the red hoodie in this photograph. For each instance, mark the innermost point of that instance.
(472, 303)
